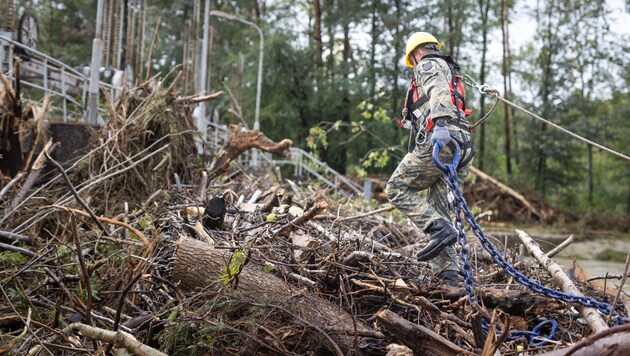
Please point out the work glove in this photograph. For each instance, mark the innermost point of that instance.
(440, 136)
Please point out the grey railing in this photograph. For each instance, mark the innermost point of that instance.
(47, 74)
(302, 161)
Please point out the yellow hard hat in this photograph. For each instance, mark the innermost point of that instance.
(417, 39)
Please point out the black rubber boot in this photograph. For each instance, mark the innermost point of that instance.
(452, 278)
(441, 234)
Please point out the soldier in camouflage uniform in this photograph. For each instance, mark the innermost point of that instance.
(416, 187)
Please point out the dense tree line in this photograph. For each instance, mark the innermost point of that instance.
(334, 78)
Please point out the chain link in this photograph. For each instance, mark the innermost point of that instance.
(459, 207)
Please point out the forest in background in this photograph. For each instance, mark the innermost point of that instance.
(334, 80)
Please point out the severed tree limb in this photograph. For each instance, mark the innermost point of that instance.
(514, 302)
(74, 192)
(106, 220)
(560, 247)
(239, 142)
(354, 258)
(433, 309)
(606, 342)
(9, 185)
(422, 340)
(196, 99)
(423, 302)
(623, 281)
(23, 251)
(504, 188)
(302, 219)
(491, 345)
(120, 339)
(331, 237)
(607, 276)
(32, 177)
(11, 236)
(592, 316)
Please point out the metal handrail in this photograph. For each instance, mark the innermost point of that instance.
(42, 55)
(52, 65)
(27, 83)
(350, 183)
(297, 159)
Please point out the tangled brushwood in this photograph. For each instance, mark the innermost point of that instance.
(142, 245)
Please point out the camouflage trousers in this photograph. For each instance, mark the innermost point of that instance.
(417, 189)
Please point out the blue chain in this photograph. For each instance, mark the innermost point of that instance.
(459, 207)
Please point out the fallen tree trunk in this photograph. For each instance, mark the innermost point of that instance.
(422, 340)
(198, 263)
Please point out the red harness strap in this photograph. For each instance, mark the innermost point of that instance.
(414, 100)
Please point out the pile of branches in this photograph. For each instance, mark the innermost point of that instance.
(141, 246)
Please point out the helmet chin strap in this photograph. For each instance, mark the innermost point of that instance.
(413, 55)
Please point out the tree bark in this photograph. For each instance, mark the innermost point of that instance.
(374, 31)
(197, 264)
(506, 94)
(484, 7)
(396, 91)
(340, 161)
(590, 174)
(317, 33)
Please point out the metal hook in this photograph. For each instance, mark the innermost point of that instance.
(483, 89)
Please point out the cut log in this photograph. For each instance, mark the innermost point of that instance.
(592, 316)
(197, 263)
(422, 340)
(239, 142)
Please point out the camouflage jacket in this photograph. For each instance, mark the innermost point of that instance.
(432, 77)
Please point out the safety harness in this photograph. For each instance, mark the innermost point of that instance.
(414, 101)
